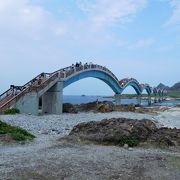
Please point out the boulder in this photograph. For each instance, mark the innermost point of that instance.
(104, 106)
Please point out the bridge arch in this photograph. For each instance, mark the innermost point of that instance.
(155, 91)
(135, 85)
(147, 88)
(98, 74)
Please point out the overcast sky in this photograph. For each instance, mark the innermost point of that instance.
(133, 38)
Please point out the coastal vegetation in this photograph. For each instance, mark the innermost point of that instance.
(14, 133)
(12, 111)
(174, 94)
(131, 141)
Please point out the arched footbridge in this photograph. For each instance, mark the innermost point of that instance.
(49, 87)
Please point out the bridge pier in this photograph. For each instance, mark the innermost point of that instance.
(117, 99)
(139, 99)
(155, 99)
(149, 100)
(29, 104)
(52, 100)
(159, 99)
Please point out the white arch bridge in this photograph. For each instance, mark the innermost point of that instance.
(50, 86)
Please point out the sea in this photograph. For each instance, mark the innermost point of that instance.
(75, 99)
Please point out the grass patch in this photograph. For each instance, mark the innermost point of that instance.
(174, 94)
(131, 96)
(15, 133)
(130, 140)
(12, 111)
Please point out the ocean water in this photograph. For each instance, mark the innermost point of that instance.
(170, 103)
(85, 99)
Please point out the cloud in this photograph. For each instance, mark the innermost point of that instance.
(23, 17)
(175, 17)
(104, 13)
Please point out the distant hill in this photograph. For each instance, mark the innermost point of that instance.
(175, 87)
(162, 86)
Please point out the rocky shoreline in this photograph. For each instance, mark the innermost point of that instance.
(108, 106)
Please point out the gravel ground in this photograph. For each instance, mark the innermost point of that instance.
(62, 124)
(169, 118)
(48, 158)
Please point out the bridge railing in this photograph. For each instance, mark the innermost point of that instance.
(45, 83)
(68, 71)
(5, 94)
(104, 69)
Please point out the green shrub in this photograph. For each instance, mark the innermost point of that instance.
(12, 111)
(18, 136)
(174, 94)
(16, 133)
(130, 140)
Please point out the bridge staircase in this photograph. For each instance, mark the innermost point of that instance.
(10, 97)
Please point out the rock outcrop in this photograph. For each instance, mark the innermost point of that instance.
(104, 106)
(69, 108)
(126, 108)
(123, 131)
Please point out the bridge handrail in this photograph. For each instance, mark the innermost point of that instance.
(45, 83)
(5, 93)
(62, 69)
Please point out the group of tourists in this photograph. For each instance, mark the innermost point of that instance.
(74, 67)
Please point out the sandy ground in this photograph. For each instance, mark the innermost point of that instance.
(48, 158)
